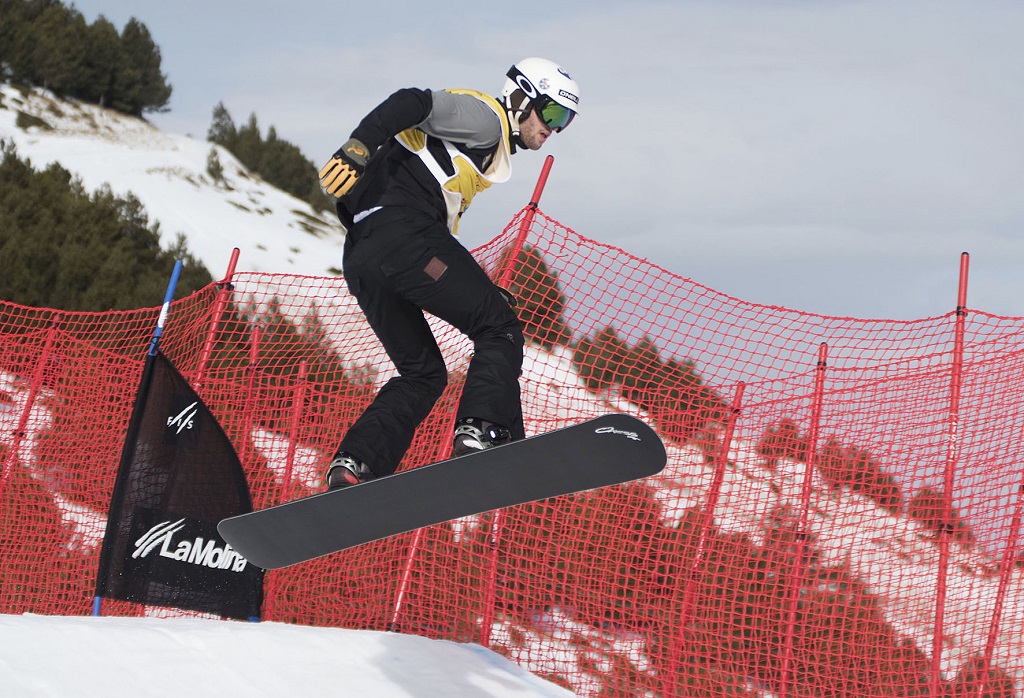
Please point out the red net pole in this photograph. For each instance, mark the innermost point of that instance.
(249, 421)
(251, 397)
(224, 289)
(526, 224)
(35, 384)
(298, 402)
(403, 584)
(487, 613)
(699, 558)
(948, 480)
(796, 580)
(505, 278)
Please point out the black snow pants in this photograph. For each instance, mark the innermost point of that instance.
(399, 262)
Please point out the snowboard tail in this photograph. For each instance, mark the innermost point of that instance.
(608, 450)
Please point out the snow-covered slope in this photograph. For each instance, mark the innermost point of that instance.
(274, 231)
(894, 556)
(108, 657)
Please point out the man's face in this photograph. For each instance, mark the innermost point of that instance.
(533, 132)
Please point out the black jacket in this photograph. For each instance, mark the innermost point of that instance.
(395, 176)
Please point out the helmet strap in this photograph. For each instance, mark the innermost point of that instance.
(516, 104)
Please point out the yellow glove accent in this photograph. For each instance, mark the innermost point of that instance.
(337, 178)
(342, 172)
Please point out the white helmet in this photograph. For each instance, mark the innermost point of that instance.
(544, 85)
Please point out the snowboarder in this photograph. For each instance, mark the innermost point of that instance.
(403, 179)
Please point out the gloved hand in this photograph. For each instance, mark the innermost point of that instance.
(340, 174)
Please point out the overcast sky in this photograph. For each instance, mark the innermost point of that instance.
(828, 156)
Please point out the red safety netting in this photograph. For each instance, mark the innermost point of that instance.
(840, 515)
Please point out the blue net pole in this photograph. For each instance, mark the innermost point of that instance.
(97, 602)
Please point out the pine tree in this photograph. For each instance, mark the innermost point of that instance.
(222, 129)
(671, 392)
(59, 48)
(283, 345)
(214, 168)
(541, 303)
(599, 360)
(143, 88)
(784, 440)
(248, 144)
(968, 682)
(277, 161)
(45, 43)
(100, 64)
(858, 469)
(928, 506)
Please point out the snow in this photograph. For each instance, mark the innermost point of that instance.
(89, 656)
(892, 555)
(167, 173)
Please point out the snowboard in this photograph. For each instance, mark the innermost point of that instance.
(608, 450)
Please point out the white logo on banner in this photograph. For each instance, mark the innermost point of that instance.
(197, 551)
(183, 420)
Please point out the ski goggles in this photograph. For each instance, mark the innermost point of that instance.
(554, 115)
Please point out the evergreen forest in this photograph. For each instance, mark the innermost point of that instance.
(277, 161)
(48, 44)
(64, 248)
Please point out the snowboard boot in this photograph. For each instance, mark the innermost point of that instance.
(345, 471)
(472, 434)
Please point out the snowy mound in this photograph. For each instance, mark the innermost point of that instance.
(58, 656)
(168, 173)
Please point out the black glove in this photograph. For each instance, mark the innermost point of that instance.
(340, 174)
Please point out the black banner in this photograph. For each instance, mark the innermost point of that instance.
(179, 476)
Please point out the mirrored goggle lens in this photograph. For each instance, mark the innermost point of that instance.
(555, 115)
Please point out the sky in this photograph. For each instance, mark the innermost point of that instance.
(85, 656)
(833, 157)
